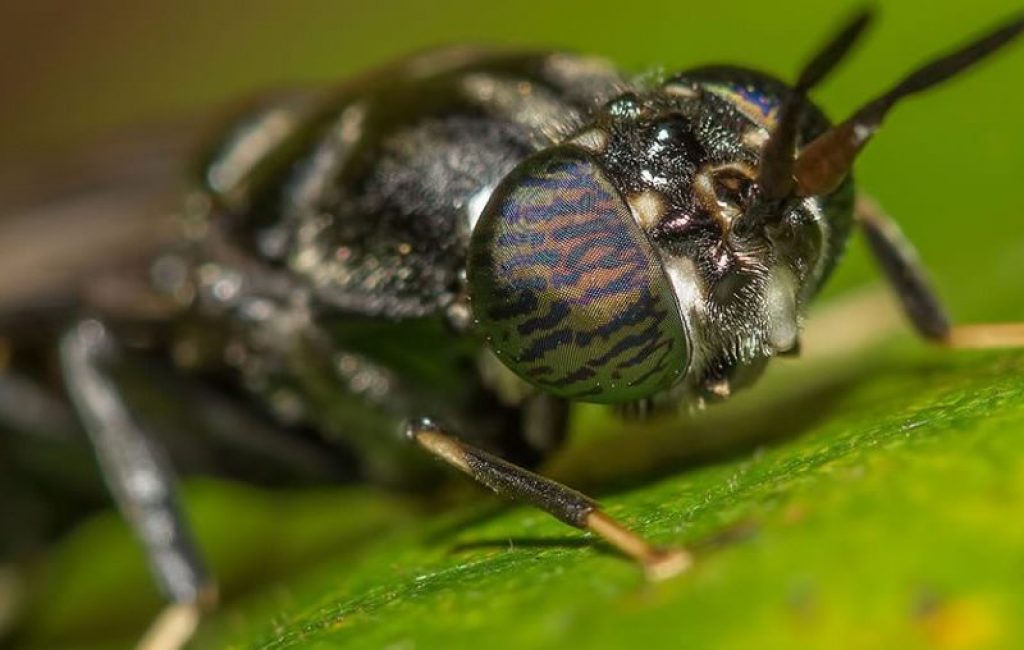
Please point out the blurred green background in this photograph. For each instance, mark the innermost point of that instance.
(868, 502)
(73, 72)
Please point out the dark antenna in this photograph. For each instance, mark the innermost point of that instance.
(775, 176)
(824, 163)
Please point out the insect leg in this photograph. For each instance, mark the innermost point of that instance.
(899, 262)
(562, 502)
(141, 480)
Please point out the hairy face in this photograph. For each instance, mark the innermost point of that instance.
(685, 158)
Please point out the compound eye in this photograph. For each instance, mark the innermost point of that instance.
(568, 289)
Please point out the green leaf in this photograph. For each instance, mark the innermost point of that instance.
(875, 505)
(888, 525)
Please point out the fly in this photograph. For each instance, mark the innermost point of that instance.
(452, 251)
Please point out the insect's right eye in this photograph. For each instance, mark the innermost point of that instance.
(568, 289)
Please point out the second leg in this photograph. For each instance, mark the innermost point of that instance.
(920, 302)
(564, 503)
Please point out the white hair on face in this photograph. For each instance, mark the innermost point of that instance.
(692, 303)
(648, 207)
(781, 310)
(593, 140)
(476, 204)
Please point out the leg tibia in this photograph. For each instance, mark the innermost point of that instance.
(920, 302)
(566, 504)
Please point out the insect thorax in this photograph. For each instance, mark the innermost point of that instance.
(363, 201)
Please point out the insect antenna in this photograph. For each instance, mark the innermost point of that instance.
(775, 172)
(823, 164)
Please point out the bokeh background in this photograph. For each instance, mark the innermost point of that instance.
(75, 72)
(949, 166)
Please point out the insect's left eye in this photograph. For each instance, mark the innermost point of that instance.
(569, 290)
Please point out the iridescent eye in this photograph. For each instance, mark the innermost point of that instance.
(567, 287)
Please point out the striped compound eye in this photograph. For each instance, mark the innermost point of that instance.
(568, 289)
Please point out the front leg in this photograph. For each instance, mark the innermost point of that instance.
(562, 502)
(899, 262)
(142, 482)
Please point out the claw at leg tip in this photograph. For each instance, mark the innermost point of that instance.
(667, 563)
